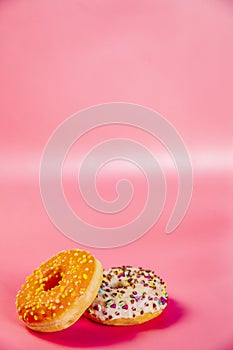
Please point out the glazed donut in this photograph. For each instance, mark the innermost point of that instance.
(57, 293)
(128, 296)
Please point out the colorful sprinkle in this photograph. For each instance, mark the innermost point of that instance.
(163, 300)
(97, 307)
(135, 291)
(121, 303)
(109, 303)
(125, 307)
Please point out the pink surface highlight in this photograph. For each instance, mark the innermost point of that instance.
(176, 57)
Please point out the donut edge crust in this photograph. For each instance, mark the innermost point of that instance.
(126, 321)
(77, 309)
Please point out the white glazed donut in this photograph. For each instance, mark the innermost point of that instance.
(128, 296)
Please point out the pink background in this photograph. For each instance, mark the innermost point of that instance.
(57, 57)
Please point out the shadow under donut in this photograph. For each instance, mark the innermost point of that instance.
(85, 333)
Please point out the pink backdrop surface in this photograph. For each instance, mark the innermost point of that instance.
(58, 57)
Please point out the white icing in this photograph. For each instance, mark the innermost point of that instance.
(141, 290)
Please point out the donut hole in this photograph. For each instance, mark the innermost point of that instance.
(53, 281)
(119, 284)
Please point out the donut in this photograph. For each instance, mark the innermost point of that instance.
(58, 292)
(128, 296)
